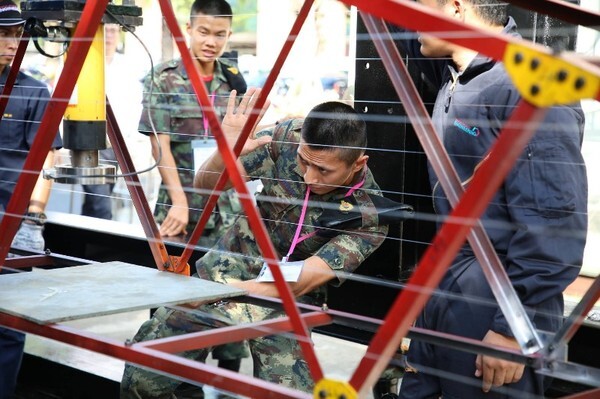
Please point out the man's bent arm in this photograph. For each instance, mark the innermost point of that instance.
(207, 176)
(41, 191)
(170, 178)
(314, 274)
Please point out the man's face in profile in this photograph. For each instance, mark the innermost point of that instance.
(10, 36)
(324, 170)
(432, 46)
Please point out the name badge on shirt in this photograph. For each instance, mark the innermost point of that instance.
(290, 270)
(203, 149)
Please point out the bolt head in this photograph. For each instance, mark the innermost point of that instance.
(579, 83)
(518, 58)
(562, 75)
(535, 63)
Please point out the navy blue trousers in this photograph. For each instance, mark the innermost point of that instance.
(468, 312)
(12, 344)
(97, 199)
(11, 353)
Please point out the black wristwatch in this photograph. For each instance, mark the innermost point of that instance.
(37, 218)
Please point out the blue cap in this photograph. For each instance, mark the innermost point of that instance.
(10, 15)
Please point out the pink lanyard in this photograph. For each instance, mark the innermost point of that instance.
(297, 239)
(204, 118)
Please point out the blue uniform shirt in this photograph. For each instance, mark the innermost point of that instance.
(19, 125)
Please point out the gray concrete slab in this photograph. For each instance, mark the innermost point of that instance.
(51, 296)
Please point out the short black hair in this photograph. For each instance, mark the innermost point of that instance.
(491, 11)
(335, 126)
(215, 8)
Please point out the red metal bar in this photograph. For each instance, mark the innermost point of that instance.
(591, 394)
(176, 366)
(157, 246)
(86, 29)
(256, 223)
(435, 262)
(476, 346)
(562, 10)
(48, 259)
(13, 72)
(572, 324)
(23, 262)
(417, 17)
(237, 333)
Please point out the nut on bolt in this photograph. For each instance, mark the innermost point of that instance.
(562, 75)
(535, 90)
(518, 58)
(535, 63)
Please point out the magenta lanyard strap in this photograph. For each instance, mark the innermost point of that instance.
(297, 239)
(204, 118)
(354, 188)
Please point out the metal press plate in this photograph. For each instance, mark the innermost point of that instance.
(77, 292)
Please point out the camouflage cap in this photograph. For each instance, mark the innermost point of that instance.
(10, 15)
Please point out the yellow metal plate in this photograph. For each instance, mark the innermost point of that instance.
(333, 389)
(545, 80)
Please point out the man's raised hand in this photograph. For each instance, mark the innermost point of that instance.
(236, 117)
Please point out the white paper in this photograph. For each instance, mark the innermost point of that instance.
(203, 149)
(290, 270)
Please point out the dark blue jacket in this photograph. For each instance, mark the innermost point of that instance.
(24, 111)
(537, 221)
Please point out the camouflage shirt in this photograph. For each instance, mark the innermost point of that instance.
(174, 109)
(237, 256)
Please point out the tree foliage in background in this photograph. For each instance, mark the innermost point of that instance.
(244, 14)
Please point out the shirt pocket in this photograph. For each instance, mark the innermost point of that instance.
(13, 134)
(187, 123)
(551, 172)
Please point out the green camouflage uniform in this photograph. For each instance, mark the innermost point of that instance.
(175, 111)
(236, 257)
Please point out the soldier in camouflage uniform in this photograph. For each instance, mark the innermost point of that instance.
(170, 101)
(331, 170)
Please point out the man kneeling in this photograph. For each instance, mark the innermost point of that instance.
(306, 166)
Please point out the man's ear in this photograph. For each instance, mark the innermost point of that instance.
(360, 163)
(459, 9)
(188, 28)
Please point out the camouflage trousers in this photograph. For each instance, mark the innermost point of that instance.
(232, 351)
(276, 358)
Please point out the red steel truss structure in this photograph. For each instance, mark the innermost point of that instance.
(469, 204)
